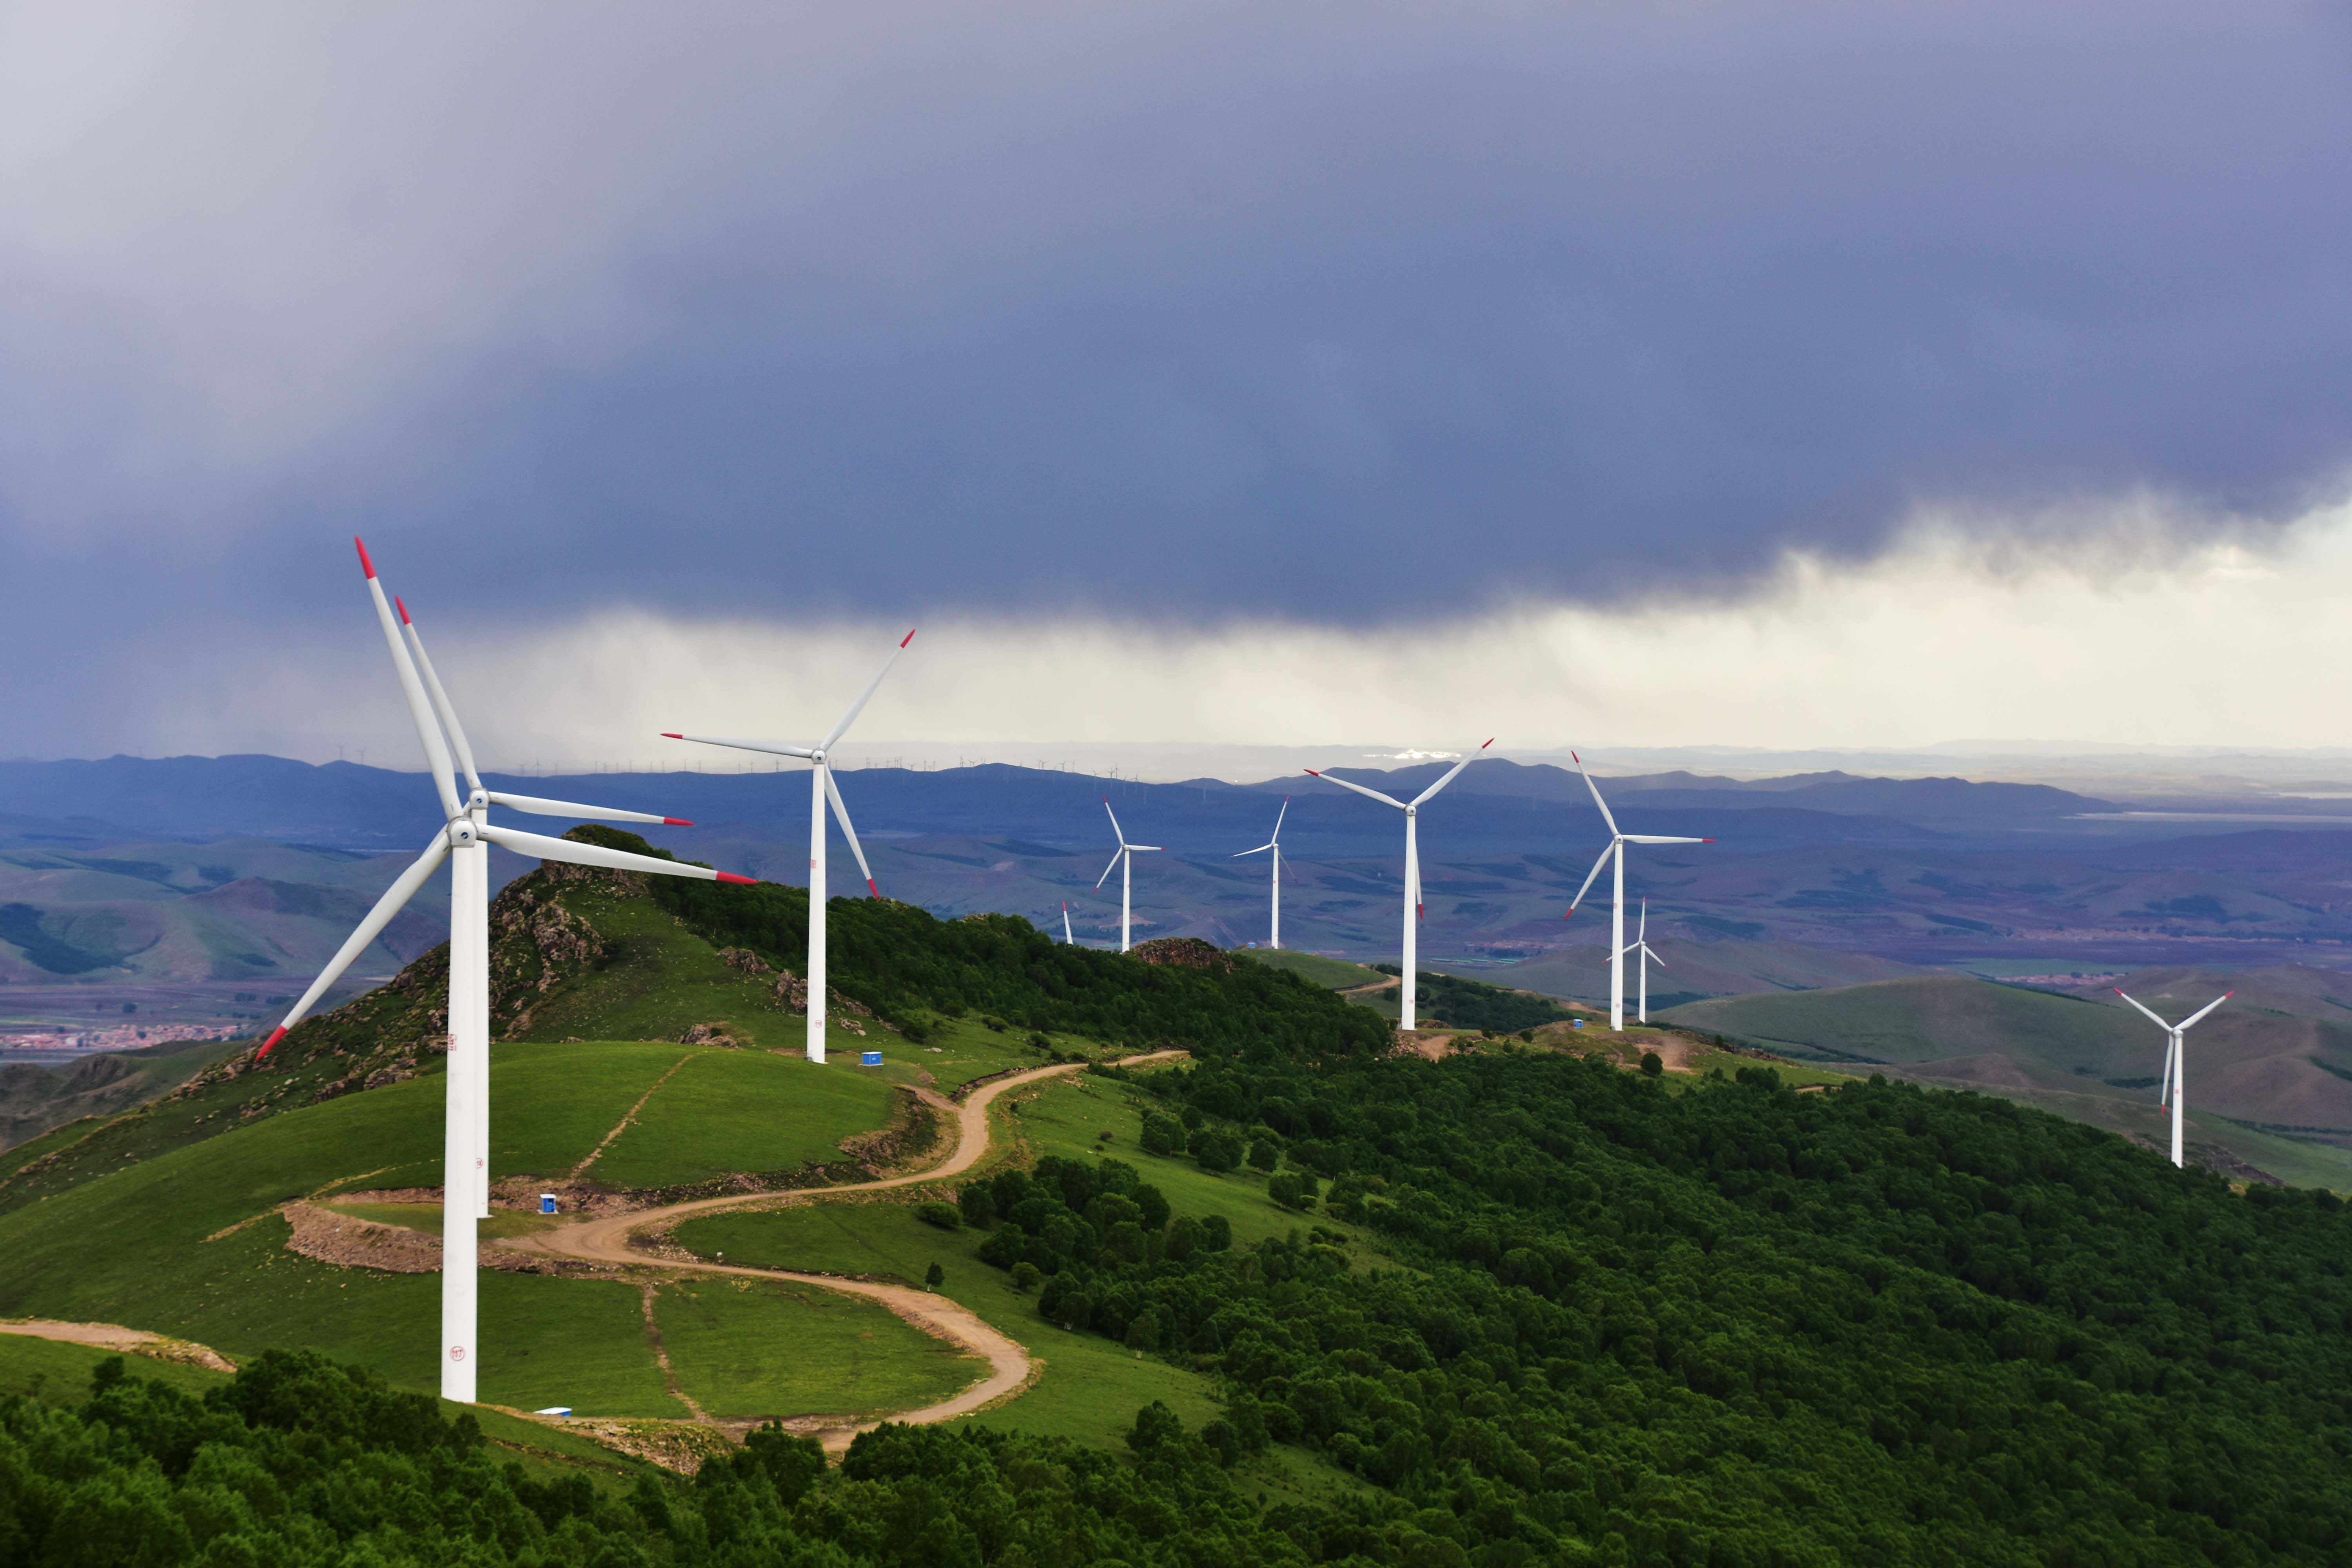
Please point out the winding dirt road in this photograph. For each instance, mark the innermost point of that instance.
(1010, 1368)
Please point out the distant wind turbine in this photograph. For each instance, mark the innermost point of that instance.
(1405, 998)
(1645, 956)
(1275, 844)
(1067, 940)
(2172, 1059)
(1617, 842)
(1123, 856)
(821, 789)
(464, 840)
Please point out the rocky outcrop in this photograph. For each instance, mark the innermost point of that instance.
(1184, 953)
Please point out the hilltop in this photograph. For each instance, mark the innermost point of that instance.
(2270, 1074)
(1297, 1296)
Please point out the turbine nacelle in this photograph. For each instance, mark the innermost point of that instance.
(1413, 905)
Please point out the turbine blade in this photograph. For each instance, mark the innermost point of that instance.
(2143, 1012)
(2200, 1012)
(394, 898)
(1655, 839)
(539, 847)
(538, 807)
(1359, 789)
(2164, 1090)
(428, 730)
(1641, 933)
(841, 815)
(1652, 957)
(1259, 851)
(859, 705)
(1277, 820)
(1137, 848)
(1596, 796)
(1588, 876)
(1448, 779)
(803, 752)
(1109, 868)
(1114, 827)
(441, 703)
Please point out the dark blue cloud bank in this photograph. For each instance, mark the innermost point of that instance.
(1326, 312)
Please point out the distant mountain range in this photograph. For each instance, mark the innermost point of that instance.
(247, 870)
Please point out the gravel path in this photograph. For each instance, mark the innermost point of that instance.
(1009, 1365)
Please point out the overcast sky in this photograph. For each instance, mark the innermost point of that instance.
(1312, 369)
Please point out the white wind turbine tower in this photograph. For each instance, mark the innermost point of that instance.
(821, 789)
(1617, 842)
(464, 839)
(1405, 996)
(1645, 955)
(1067, 940)
(2172, 1060)
(1275, 844)
(1123, 856)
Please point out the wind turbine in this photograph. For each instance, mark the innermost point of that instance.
(1067, 940)
(1646, 956)
(464, 839)
(1124, 854)
(2172, 1060)
(1617, 842)
(820, 788)
(1275, 844)
(1411, 810)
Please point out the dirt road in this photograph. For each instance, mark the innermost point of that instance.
(607, 1241)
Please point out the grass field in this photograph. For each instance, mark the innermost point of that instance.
(131, 1247)
(1090, 1389)
(742, 1110)
(835, 1355)
(1338, 973)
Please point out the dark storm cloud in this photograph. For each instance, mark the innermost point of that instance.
(1332, 313)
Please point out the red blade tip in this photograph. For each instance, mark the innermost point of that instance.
(1310, 773)
(667, 736)
(907, 639)
(676, 821)
(402, 606)
(732, 877)
(869, 881)
(366, 565)
(1490, 740)
(270, 1044)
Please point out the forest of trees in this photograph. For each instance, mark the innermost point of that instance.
(1740, 1324)
(906, 963)
(1617, 1317)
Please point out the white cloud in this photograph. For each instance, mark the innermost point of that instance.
(2111, 639)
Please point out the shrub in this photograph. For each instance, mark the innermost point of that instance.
(1162, 1135)
(1292, 1190)
(934, 1277)
(977, 1204)
(1264, 1155)
(1651, 1064)
(1026, 1276)
(1216, 1150)
(947, 1216)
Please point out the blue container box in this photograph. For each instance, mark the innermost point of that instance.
(547, 1202)
(871, 1060)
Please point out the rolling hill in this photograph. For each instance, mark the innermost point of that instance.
(1298, 1300)
(2269, 1087)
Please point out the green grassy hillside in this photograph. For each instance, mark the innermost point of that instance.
(2268, 1092)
